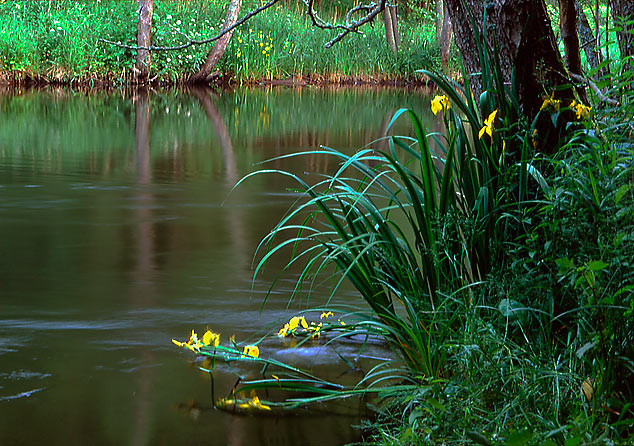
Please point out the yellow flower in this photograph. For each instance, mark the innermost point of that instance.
(316, 329)
(224, 402)
(284, 330)
(193, 344)
(211, 338)
(249, 403)
(255, 403)
(302, 320)
(439, 103)
(550, 101)
(325, 315)
(251, 350)
(341, 322)
(293, 323)
(488, 125)
(582, 111)
(180, 344)
(534, 138)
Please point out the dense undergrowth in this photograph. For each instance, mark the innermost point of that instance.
(540, 349)
(60, 41)
(501, 277)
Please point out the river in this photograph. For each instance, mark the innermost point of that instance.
(119, 231)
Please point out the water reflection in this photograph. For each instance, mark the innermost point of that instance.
(143, 292)
(234, 215)
(120, 233)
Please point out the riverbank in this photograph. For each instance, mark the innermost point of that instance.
(23, 79)
(63, 42)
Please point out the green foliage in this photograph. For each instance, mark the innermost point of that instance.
(60, 40)
(502, 278)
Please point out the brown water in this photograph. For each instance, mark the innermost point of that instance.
(118, 232)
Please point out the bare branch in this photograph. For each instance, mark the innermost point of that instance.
(192, 42)
(351, 26)
(354, 26)
(373, 9)
(594, 88)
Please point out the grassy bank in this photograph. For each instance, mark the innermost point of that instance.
(60, 41)
(500, 276)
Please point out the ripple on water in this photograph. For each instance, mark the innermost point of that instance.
(26, 394)
(35, 324)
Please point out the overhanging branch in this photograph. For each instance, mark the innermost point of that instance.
(192, 42)
(350, 26)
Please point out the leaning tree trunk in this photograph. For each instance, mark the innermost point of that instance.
(144, 39)
(524, 42)
(205, 72)
(623, 15)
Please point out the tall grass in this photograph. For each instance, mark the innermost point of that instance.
(502, 278)
(60, 40)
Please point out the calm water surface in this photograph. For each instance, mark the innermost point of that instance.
(118, 232)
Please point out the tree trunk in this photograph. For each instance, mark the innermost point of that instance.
(440, 15)
(397, 35)
(144, 39)
(389, 29)
(623, 15)
(525, 45)
(446, 33)
(220, 46)
(568, 27)
(588, 41)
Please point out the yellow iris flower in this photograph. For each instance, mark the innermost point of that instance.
(488, 125)
(582, 111)
(249, 403)
(325, 315)
(550, 101)
(439, 103)
(211, 338)
(251, 350)
(284, 331)
(534, 138)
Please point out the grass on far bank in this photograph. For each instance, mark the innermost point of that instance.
(60, 41)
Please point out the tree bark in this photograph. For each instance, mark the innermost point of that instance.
(397, 35)
(440, 15)
(220, 46)
(446, 32)
(144, 39)
(568, 27)
(588, 41)
(623, 15)
(525, 46)
(388, 21)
